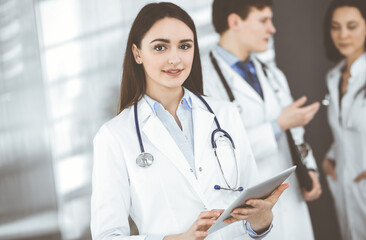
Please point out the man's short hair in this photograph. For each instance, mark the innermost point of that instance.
(221, 9)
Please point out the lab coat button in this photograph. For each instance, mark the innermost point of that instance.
(200, 169)
(191, 170)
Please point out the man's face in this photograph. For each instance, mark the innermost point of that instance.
(255, 31)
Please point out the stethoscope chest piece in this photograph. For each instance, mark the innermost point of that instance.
(144, 160)
(326, 100)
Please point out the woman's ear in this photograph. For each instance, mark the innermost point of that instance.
(136, 54)
(233, 21)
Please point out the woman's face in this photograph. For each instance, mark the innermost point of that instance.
(348, 31)
(166, 54)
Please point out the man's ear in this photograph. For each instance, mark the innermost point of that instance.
(136, 54)
(233, 21)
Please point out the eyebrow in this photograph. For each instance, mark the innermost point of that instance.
(350, 21)
(168, 41)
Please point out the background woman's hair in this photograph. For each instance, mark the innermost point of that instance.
(331, 51)
(133, 85)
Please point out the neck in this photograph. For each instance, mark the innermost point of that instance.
(351, 59)
(231, 43)
(169, 99)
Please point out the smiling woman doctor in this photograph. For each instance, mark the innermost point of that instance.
(155, 160)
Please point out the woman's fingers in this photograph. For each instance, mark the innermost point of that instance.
(273, 198)
(328, 168)
(360, 177)
(207, 219)
(215, 213)
(204, 224)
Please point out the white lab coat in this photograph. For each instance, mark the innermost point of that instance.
(348, 125)
(165, 198)
(291, 215)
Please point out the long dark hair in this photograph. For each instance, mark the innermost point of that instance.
(133, 85)
(331, 51)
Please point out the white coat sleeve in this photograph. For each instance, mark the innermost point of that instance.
(110, 202)
(262, 139)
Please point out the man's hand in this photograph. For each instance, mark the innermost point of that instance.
(295, 115)
(316, 191)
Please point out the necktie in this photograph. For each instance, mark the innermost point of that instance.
(247, 71)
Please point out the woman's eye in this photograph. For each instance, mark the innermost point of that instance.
(334, 28)
(352, 27)
(185, 46)
(159, 48)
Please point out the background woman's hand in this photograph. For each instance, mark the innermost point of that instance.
(316, 190)
(259, 214)
(360, 177)
(328, 168)
(198, 230)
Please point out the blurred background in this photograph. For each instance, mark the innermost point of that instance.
(60, 70)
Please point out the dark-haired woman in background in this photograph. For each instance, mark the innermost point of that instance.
(345, 163)
(155, 160)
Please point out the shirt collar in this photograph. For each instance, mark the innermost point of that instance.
(228, 57)
(185, 102)
(358, 65)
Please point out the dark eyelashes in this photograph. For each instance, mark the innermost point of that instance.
(162, 47)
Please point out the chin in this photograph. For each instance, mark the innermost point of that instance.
(262, 48)
(345, 53)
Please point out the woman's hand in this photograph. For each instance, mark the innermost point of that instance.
(259, 213)
(360, 177)
(198, 230)
(316, 191)
(328, 168)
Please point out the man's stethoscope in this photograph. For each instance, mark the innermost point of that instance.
(145, 159)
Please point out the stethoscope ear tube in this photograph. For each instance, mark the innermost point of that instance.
(138, 128)
(144, 159)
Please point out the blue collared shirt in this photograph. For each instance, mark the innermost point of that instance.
(184, 137)
(231, 59)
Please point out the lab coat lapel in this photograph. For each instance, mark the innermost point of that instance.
(163, 141)
(202, 126)
(235, 81)
(334, 92)
(333, 87)
(270, 91)
(358, 73)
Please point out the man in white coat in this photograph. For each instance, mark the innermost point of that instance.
(263, 97)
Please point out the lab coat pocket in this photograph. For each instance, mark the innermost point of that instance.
(227, 161)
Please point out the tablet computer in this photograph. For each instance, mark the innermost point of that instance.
(258, 191)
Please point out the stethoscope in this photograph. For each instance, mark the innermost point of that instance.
(326, 100)
(145, 159)
(252, 70)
